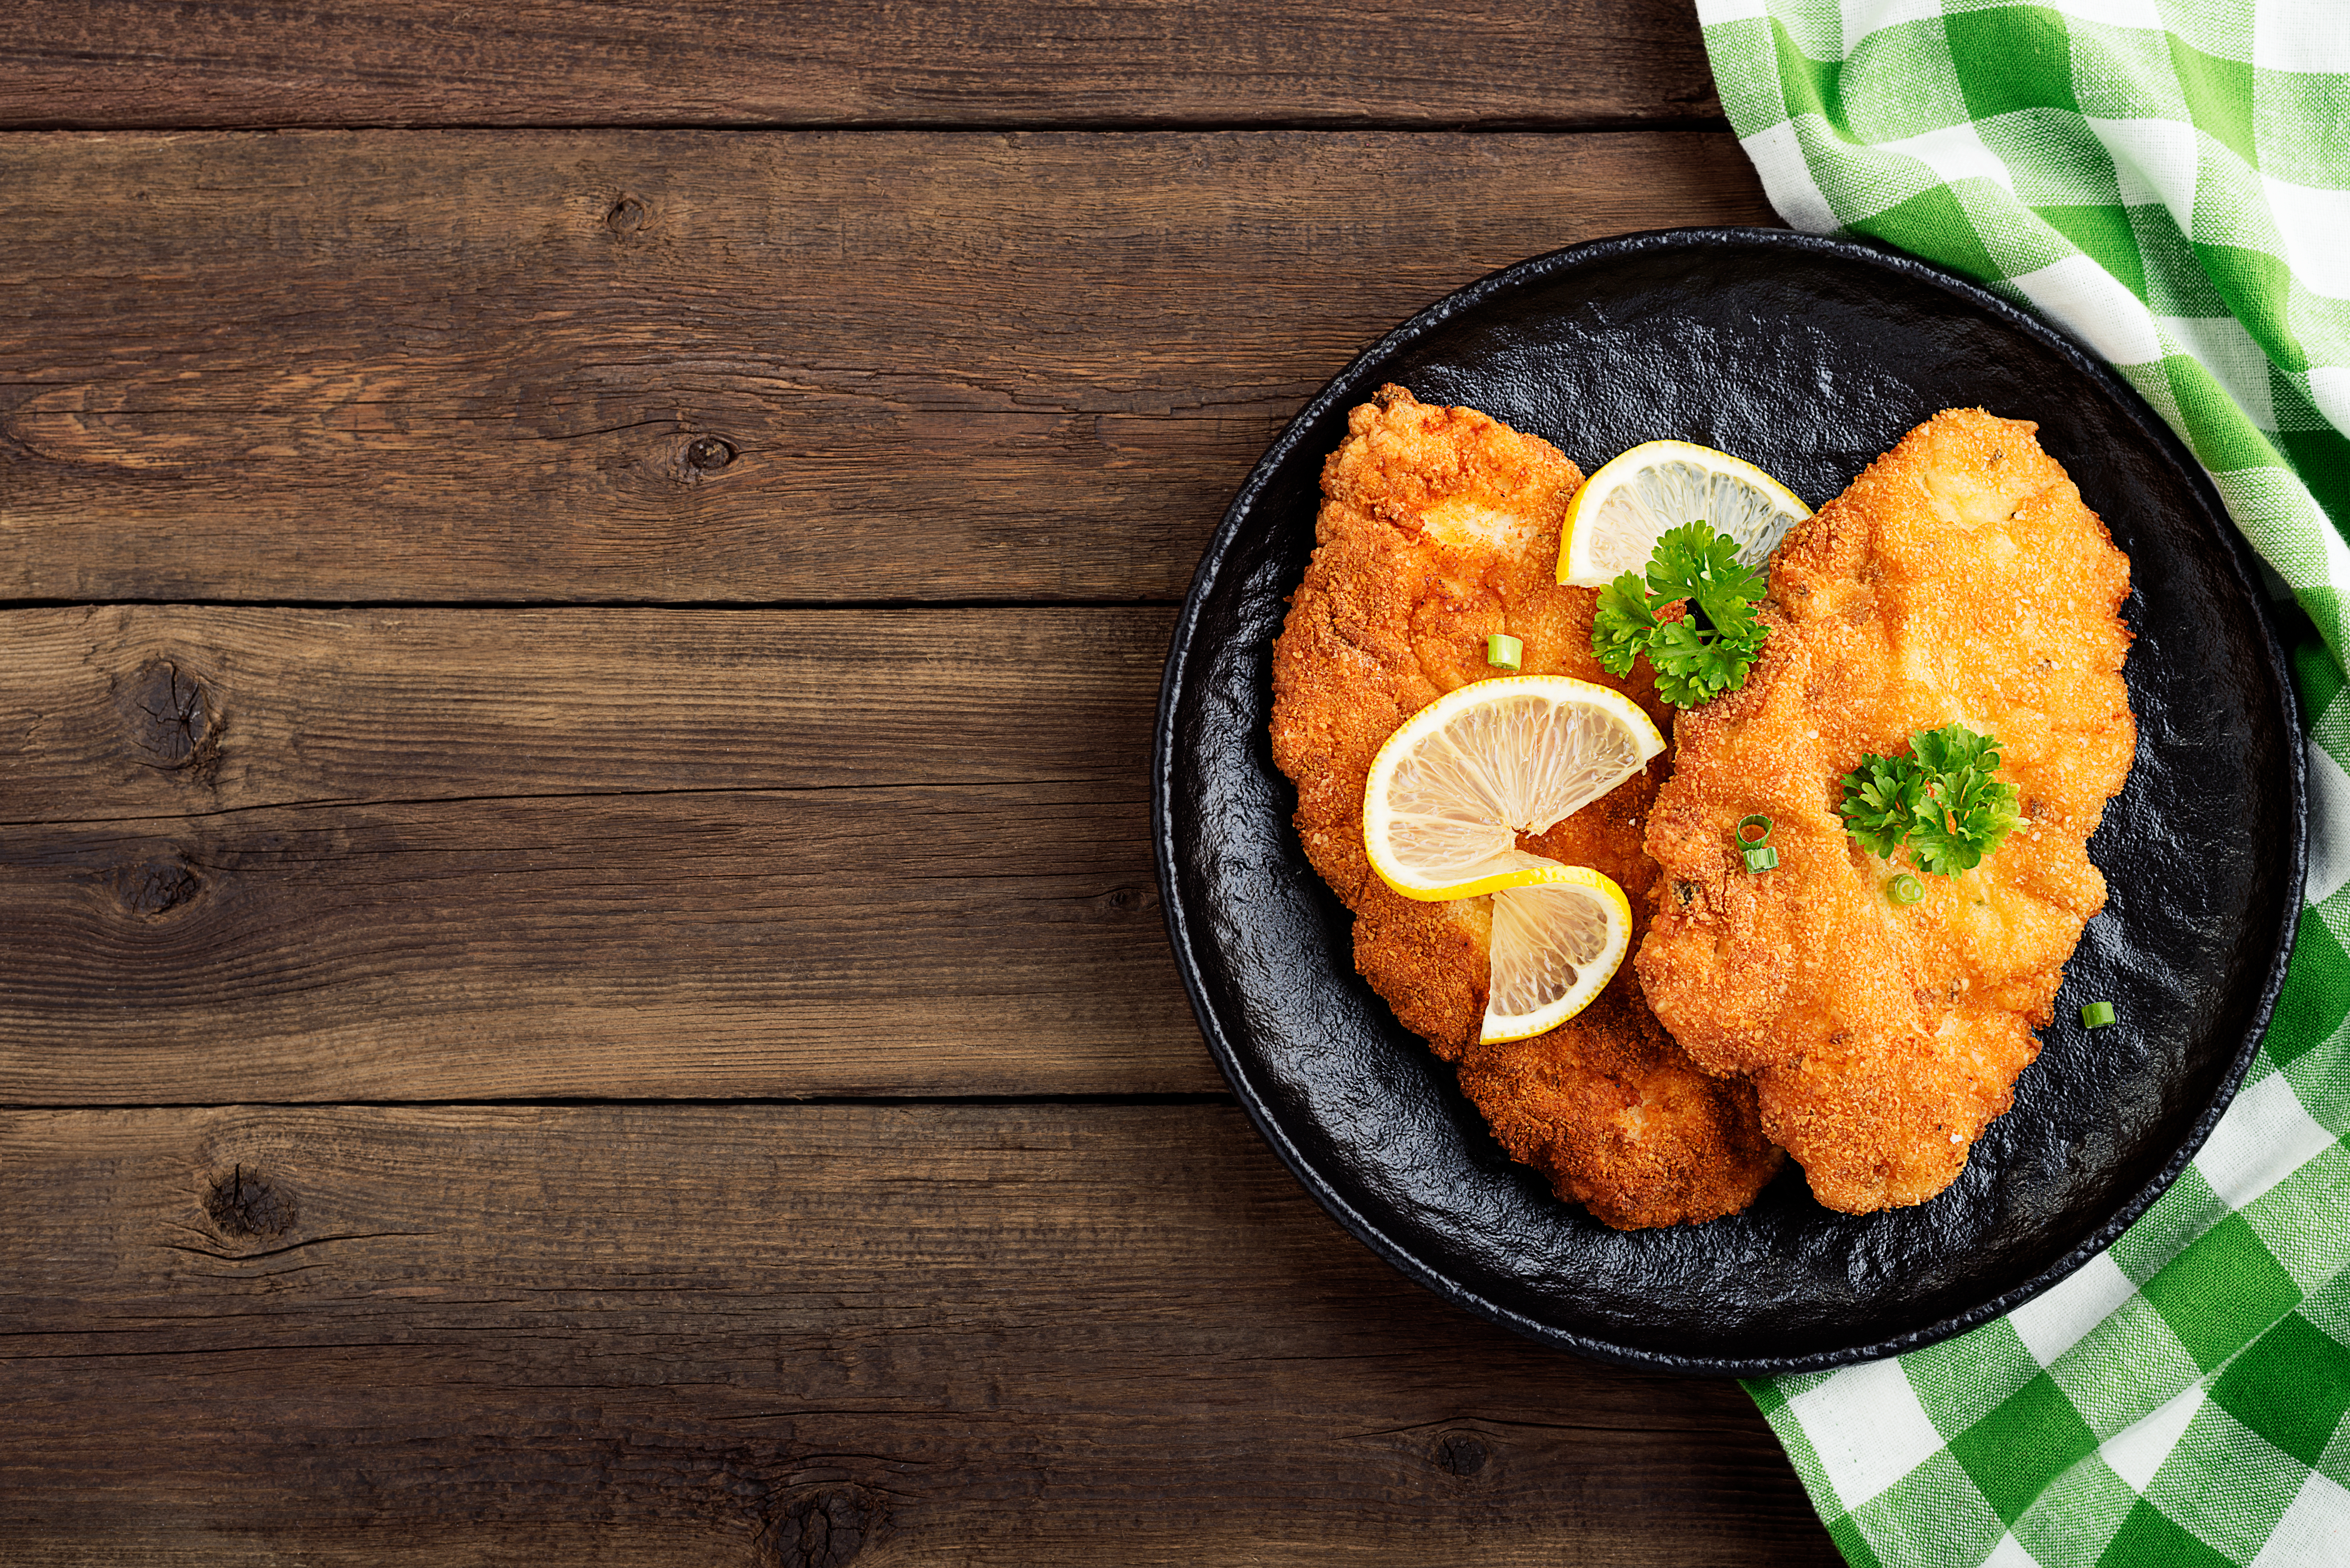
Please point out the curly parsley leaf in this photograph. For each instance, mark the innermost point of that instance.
(1693, 562)
(1705, 650)
(1943, 799)
(1955, 749)
(1693, 668)
(1882, 798)
(1975, 811)
(1621, 628)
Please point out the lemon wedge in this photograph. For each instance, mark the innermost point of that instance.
(1555, 945)
(1614, 521)
(1450, 791)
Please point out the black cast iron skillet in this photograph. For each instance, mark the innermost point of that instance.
(1809, 357)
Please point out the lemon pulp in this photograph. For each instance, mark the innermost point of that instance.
(1555, 944)
(1451, 790)
(1613, 521)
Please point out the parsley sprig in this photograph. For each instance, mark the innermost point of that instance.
(1942, 800)
(1706, 648)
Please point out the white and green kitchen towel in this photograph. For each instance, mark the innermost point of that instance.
(2169, 182)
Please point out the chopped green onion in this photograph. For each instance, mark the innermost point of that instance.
(1906, 888)
(1761, 858)
(2098, 1015)
(1756, 821)
(1503, 652)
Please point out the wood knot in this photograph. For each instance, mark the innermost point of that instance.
(708, 454)
(627, 216)
(826, 1529)
(1460, 1453)
(1126, 901)
(172, 718)
(153, 888)
(245, 1203)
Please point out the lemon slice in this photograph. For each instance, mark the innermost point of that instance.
(1451, 790)
(1614, 521)
(1555, 944)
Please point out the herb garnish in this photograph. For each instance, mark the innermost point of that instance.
(1941, 800)
(1706, 648)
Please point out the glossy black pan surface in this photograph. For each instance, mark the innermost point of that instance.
(1809, 357)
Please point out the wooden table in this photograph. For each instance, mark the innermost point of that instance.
(582, 981)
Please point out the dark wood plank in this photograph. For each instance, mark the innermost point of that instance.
(791, 1336)
(128, 63)
(162, 710)
(456, 854)
(683, 367)
(977, 939)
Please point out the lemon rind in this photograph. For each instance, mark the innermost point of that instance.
(1521, 877)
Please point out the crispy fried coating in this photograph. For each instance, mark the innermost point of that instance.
(1440, 526)
(1959, 579)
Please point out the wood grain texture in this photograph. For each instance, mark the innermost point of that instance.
(130, 63)
(674, 366)
(997, 940)
(449, 854)
(791, 1337)
(157, 710)
(972, 306)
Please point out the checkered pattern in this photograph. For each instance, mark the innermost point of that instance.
(2169, 180)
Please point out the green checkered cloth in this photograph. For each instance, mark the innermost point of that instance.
(2169, 180)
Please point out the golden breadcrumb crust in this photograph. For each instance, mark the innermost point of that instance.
(1440, 526)
(1959, 579)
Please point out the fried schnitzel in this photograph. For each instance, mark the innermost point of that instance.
(1959, 578)
(1439, 526)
